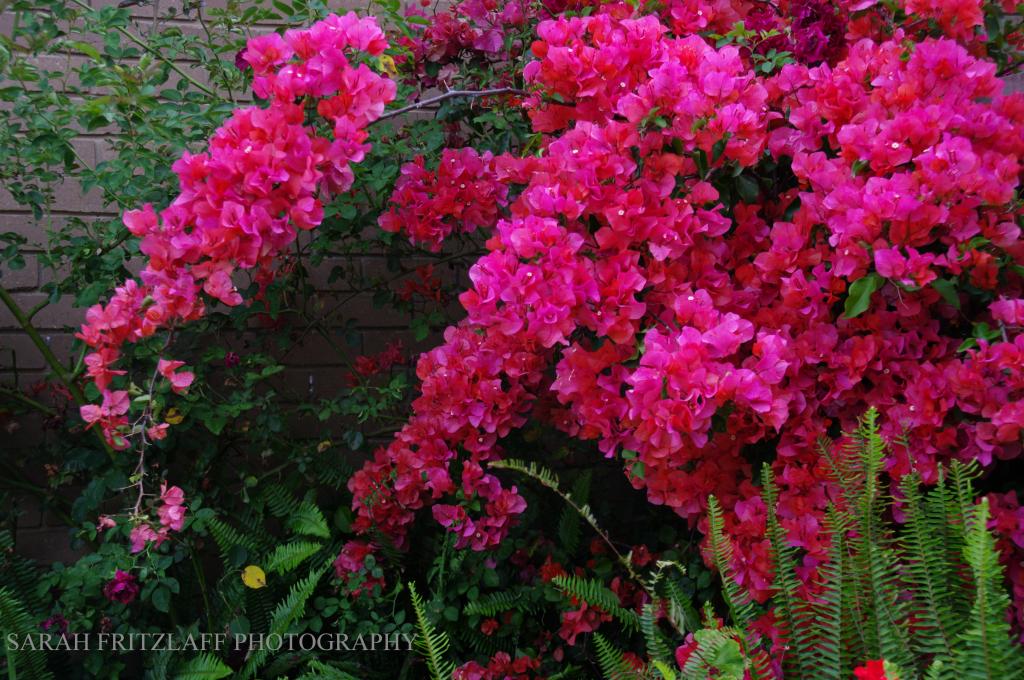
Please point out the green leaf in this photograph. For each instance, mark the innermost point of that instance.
(947, 289)
(859, 298)
(747, 188)
(161, 598)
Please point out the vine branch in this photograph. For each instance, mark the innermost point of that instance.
(450, 94)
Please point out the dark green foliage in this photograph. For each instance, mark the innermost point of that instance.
(16, 621)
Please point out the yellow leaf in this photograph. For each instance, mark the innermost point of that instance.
(254, 577)
(387, 64)
(323, 446)
(174, 416)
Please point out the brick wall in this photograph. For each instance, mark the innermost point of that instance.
(313, 368)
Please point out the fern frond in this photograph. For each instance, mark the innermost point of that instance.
(795, 617)
(307, 519)
(596, 594)
(612, 661)
(204, 667)
(928, 572)
(837, 646)
(16, 621)
(517, 599)
(317, 670)
(432, 643)
(985, 650)
(279, 500)
(654, 640)
(229, 540)
(287, 613)
(875, 561)
(289, 556)
(569, 523)
(741, 608)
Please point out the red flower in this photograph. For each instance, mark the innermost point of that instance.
(122, 588)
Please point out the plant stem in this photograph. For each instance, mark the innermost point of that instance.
(144, 45)
(450, 94)
(26, 401)
(51, 359)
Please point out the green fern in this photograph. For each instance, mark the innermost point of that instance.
(432, 643)
(874, 558)
(285, 614)
(929, 574)
(741, 609)
(933, 595)
(229, 540)
(518, 599)
(613, 663)
(289, 556)
(984, 650)
(317, 670)
(307, 519)
(794, 615)
(16, 621)
(836, 649)
(654, 640)
(203, 667)
(596, 594)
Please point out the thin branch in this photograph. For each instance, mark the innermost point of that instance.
(156, 53)
(1010, 68)
(51, 359)
(450, 94)
(25, 400)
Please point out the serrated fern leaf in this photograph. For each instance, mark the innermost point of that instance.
(492, 604)
(741, 609)
(875, 561)
(654, 640)
(611, 660)
(309, 521)
(928, 573)
(285, 614)
(596, 594)
(203, 667)
(15, 621)
(984, 650)
(432, 643)
(228, 539)
(795, 618)
(289, 556)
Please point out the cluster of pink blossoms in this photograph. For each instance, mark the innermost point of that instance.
(170, 515)
(461, 196)
(501, 667)
(265, 175)
(682, 329)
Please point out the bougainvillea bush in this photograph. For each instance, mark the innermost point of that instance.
(689, 242)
